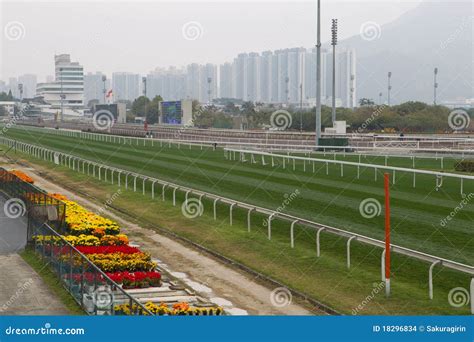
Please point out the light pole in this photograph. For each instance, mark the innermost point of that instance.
(435, 85)
(318, 75)
(352, 91)
(20, 89)
(334, 43)
(301, 107)
(287, 91)
(144, 86)
(104, 78)
(209, 81)
(61, 96)
(389, 87)
(380, 98)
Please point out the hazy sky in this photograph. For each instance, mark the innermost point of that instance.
(138, 36)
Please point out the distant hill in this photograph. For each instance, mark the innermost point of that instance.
(434, 34)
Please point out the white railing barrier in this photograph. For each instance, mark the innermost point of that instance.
(26, 148)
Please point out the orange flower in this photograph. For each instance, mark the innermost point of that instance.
(23, 176)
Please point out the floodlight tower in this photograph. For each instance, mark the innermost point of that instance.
(380, 98)
(104, 91)
(144, 86)
(334, 43)
(435, 85)
(209, 81)
(20, 89)
(389, 88)
(318, 74)
(61, 96)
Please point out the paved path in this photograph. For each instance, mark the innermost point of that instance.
(22, 291)
(12, 230)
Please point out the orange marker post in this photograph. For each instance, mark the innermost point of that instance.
(387, 234)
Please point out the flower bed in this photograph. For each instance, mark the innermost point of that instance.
(99, 239)
(23, 176)
(179, 309)
(136, 279)
(125, 249)
(118, 262)
(81, 221)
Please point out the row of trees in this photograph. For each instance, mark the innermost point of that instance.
(406, 117)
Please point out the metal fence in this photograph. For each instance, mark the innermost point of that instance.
(92, 289)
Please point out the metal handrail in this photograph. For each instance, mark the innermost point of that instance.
(97, 269)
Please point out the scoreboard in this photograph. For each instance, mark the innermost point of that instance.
(171, 112)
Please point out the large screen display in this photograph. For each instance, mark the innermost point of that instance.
(171, 111)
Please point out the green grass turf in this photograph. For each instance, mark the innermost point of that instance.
(328, 199)
(326, 279)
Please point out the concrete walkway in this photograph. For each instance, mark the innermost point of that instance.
(13, 230)
(23, 292)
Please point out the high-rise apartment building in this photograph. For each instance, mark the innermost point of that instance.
(126, 86)
(67, 90)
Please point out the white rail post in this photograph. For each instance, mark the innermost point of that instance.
(174, 196)
(186, 195)
(383, 265)
(248, 218)
(126, 181)
(349, 251)
(230, 213)
(269, 233)
(153, 189)
(215, 208)
(318, 249)
(143, 186)
(292, 233)
(135, 184)
(430, 277)
(163, 192)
